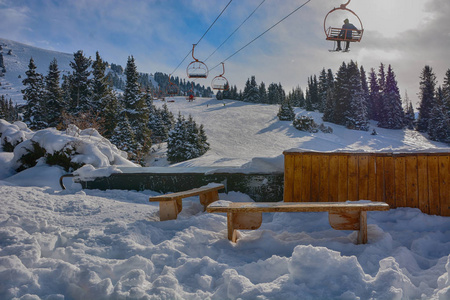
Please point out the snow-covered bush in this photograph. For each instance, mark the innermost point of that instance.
(325, 129)
(305, 123)
(69, 149)
(13, 134)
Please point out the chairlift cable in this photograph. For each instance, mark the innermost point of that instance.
(270, 28)
(202, 36)
(235, 30)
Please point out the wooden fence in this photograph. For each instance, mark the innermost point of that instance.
(420, 180)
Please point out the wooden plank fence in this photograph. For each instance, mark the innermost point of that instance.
(420, 180)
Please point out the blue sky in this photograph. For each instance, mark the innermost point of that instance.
(408, 34)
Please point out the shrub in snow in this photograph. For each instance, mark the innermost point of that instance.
(69, 149)
(13, 134)
(305, 123)
(325, 129)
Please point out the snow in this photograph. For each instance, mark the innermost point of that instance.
(92, 244)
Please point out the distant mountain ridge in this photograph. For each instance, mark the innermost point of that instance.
(16, 57)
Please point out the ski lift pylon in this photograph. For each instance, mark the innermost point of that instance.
(340, 34)
(196, 69)
(219, 82)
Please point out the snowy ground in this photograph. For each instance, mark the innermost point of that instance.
(90, 244)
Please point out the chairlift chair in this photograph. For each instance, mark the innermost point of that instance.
(219, 82)
(340, 34)
(196, 69)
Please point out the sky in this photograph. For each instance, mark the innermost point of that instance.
(408, 34)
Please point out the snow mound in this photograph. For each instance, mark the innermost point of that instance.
(83, 146)
(14, 133)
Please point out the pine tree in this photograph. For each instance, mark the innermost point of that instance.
(251, 91)
(365, 88)
(356, 116)
(409, 113)
(80, 84)
(374, 103)
(263, 93)
(186, 140)
(33, 94)
(136, 109)
(439, 120)
(323, 89)
(100, 87)
(427, 98)
(123, 137)
(167, 117)
(392, 114)
(104, 99)
(328, 113)
(54, 94)
(446, 92)
(341, 96)
(313, 87)
(286, 111)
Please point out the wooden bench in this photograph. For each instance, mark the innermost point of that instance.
(170, 205)
(341, 215)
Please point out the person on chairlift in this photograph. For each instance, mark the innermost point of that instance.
(346, 33)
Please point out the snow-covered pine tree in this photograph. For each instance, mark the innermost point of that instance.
(365, 88)
(356, 116)
(176, 150)
(104, 98)
(286, 111)
(80, 92)
(322, 89)
(263, 93)
(409, 113)
(427, 97)
(381, 77)
(54, 94)
(100, 86)
(374, 103)
(186, 140)
(313, 88)
(219, 95)
(156, 125)
(251, 91)
(392, 114)
(136, 109)
(123, 136)
(341, 96)
(35, 113)
(202, 141)
(167, 117)
(439, 120)
(446, 92)
(328, 113)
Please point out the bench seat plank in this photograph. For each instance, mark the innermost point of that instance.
(170, 205)
(218, 207)
(188, 193)
(350, 215)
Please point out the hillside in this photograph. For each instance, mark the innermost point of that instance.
(16, 64)
(239, 131)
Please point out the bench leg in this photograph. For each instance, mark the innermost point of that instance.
(242, 220)
(208, 198)
(356, 220)
(362, 233)
(169, 210)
